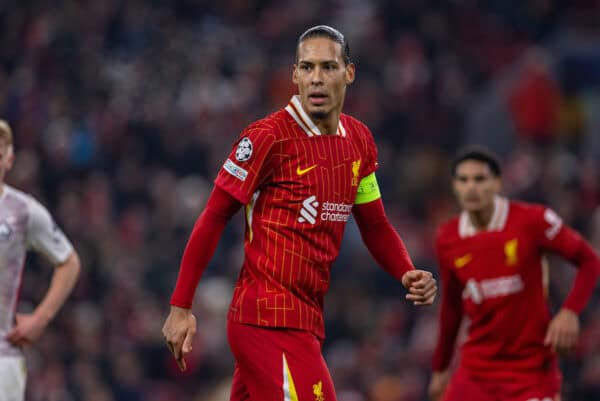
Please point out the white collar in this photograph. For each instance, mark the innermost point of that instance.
(295, 109)
(497, 222)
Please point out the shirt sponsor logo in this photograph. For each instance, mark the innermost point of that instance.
(235, 170)
(329, 211)
(244, 150)
(336, 211)
(5, 231)
(308, 212)
(300, 171)
(492, 288)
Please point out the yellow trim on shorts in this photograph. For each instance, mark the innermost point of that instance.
(289, 388)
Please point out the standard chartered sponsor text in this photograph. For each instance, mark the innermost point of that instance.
(335, 211)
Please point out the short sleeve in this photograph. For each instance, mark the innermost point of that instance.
(44, 236)
(248, 165)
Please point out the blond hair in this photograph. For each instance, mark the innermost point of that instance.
(5, 133)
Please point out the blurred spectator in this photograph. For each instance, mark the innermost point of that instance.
(534, 100)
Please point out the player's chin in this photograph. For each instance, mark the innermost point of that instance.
(318, 113)
(472, 206)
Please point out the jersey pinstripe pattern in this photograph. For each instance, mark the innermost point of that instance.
(293, 167)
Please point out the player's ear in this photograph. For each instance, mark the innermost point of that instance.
(350, 73)
(294, 76)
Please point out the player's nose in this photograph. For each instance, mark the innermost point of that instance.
(316, 77)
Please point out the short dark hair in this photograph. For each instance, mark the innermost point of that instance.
(325, 31)
(480, 154)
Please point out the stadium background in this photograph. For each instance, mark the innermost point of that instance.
(124, 111)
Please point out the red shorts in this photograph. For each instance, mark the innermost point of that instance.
(538, 387)
(277, 365)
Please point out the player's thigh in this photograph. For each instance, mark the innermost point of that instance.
(13, 376)
(280, 365)
(463, 388)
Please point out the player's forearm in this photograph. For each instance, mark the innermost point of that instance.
(202, 244)
(63, 280)
(380, 238)
(588, 271)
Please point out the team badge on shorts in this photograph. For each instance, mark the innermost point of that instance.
(244, 150)
(318, 391)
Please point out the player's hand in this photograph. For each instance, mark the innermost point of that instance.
(421, 287)
(437, 384)
(179, 330)
(563, 331)
(28, 328)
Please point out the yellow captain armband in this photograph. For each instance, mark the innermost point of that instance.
(368, 190)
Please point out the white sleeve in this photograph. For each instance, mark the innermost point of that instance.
(44, 236)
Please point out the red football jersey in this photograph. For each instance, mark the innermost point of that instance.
(299, 188)
(498, 279)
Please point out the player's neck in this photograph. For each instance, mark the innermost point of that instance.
(481, 218)
(328, 125)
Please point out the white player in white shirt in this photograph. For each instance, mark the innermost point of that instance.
(26, 225)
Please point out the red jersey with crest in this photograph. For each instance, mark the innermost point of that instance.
(498, 279)
(299, 187)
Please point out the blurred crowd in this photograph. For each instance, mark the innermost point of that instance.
(123, 112)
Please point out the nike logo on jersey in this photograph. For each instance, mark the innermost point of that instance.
(300, 171)
(461, 262)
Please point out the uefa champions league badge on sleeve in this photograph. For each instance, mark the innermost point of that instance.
(244, 150)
